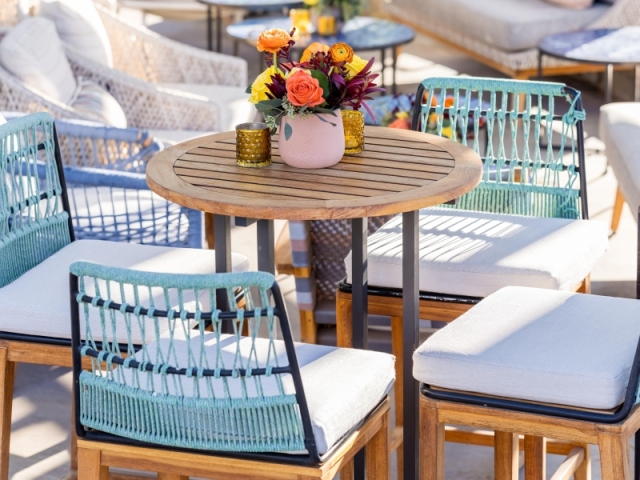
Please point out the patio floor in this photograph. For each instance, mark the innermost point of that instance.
(41, 408)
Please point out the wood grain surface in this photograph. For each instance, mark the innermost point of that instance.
(399, 171)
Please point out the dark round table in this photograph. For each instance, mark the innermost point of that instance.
(251, 5)
(605, 46)
(362, 33)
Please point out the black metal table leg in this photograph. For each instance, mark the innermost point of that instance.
(383, 59)
(359, 281)
(209, 29)
(266, 247)
(219, 30)
(410, 337)
(222, 234)
(608, 93)
(394, 64)
(539, 64)
(636, 456)
(636, 93)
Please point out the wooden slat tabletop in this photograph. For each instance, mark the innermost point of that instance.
(399, 171)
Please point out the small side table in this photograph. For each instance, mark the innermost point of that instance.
(610, 47)
(361, 33)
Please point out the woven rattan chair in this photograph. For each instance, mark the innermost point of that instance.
(37, 245)
(525, 224)
(109, 198)
(551, 365)
(164, 375)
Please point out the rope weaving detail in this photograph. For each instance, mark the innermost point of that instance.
(526, 170)
(163, 372)
(33, 224)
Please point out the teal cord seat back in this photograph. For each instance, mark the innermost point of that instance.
(530, 168)
(34, 209)
(164, 372)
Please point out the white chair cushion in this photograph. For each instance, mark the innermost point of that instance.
(476, 253)
(342, 385)
(96, 104)
(33, 52)
(620, 131)
(233, 102)
(539, 345)
(37, 303)
(79, 26)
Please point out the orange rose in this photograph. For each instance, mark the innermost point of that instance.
(312, 49)
(273, 40)
(401, 123)
(303, 89)
(341, 52)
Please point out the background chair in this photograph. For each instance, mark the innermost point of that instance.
(242, 396)
(520, 226)
(37, 245)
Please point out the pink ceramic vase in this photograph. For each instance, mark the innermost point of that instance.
(312, 143)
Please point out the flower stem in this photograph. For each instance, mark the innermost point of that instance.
(275, 60)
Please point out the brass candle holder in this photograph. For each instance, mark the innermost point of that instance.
(353, 121)
(253, 145)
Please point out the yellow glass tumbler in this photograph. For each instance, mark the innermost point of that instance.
(253, 145)
(300, 20)
(353, 121)
(327, 25)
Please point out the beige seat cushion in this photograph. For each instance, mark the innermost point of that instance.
(620, 131)
(233, 102)
(33, 52)
(477, 253)
(98, 105)
(37, 303)
(79, 26)
(342, 385)
(538, 345)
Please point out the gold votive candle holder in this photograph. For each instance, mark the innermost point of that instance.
(326, 25)
(253, 145)
(300, 20)
(353, 121)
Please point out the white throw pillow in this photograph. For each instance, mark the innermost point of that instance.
(80, 27)
(95, 103)
(33, 52)
(572, 4)
(27, 8)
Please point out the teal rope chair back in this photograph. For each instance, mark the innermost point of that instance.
(163, 371)
(34, 211)
(525, 172)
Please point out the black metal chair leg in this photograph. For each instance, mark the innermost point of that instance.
(636, 456)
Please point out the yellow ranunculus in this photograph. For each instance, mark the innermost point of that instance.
(355, 66)
(259, 88)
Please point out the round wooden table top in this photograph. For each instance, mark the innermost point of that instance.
(399, 171)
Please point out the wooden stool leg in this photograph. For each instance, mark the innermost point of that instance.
(344, 322)
(506, 456)
(74, 441)
(308, 327)
(89, 467)
(396, 347)
(347, 472)
(7, 377)
(584, 470)
(617, 210)
(172, 476)
(378, 464)
(535, 464)
(431, 445)
(614, 457)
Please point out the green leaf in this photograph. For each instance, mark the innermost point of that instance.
(326, 121)
(324, 110)
(248, 90)
(323, 81)
(288, 131)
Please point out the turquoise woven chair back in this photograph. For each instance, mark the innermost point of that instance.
(163, 371)
(528, 169)
(34, 218)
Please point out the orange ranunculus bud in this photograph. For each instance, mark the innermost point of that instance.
(449, 102)
(401, 123)
(341, 52)
(273, 40)
(303, 89)
(312, 49)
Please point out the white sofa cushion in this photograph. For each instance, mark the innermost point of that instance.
(620, 131)
(233, 102)
(342, 385)
(96, 104)
(37, 303)
(539, 345)
(33, 52)
(477, 253)
(79, 26)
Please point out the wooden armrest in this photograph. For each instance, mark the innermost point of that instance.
(284, 260)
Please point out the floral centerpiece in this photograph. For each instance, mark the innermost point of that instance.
(302, 98)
